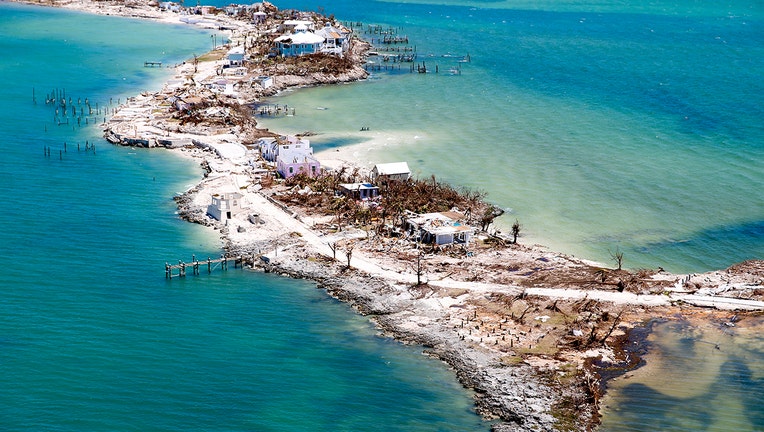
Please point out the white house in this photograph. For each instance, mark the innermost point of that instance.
(291, 154)
(335, 41)
(226, 206)
(235, 9)
(271, 148)
(264, 81)
(222, 85)
(259, 17)
(439, 228)
(203, 10)
(239, 71)
(359, 191)
(299, 43)
(235, 56)
(291, 25)
(170, 6)
(395, 171)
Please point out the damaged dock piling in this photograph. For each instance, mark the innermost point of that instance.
(179, 269)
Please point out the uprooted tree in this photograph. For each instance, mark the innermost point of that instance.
(489, 214)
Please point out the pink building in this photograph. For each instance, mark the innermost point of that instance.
(290, 166)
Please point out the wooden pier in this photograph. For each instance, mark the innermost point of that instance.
(66, 108)
(276, 110)
(180, 269)
(391, 47)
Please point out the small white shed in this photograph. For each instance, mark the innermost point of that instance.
(225, 206)
(395, 171)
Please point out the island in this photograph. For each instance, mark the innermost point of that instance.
(528, 329)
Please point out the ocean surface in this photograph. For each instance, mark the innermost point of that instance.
(600, 126)
(92, 336)
(632, 126)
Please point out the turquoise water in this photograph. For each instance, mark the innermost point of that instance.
(92, 336)
(604, 125)
(599, 126)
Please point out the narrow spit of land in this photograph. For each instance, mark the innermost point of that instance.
(525, 327)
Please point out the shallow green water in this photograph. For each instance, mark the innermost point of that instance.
(706, 378)
(597, 126)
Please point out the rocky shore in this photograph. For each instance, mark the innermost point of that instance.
(520, 325)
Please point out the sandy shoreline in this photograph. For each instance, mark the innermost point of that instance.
(501, 317)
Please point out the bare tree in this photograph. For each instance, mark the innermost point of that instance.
(515, 231)
(419, 267)
(338, 206)
(333, 247)
(349, 251)
(617, 256)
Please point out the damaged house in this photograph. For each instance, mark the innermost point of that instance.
(439, 228)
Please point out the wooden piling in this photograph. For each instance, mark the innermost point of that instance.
(181, 267)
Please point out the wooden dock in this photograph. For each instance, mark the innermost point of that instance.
(180, 269)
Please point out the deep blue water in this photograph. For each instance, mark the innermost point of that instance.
(92, 335)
